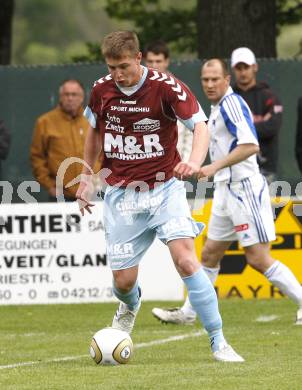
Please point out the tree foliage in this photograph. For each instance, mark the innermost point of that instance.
(224, 26)
(178, 26)
(6, 17)
(288, 12)
(94, 54)
(55, 31)
(52, 31)
(153, 21)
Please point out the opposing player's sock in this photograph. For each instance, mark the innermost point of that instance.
(283, 278)
(204, 301)
(187, 308)
(212, 273)
(131, 298)
(299, 317)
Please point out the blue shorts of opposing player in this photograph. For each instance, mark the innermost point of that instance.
(134, 218)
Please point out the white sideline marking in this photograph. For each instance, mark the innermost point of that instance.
(266, 318)
(169, 339)
(136, 346)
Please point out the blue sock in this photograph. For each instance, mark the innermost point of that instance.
(131, 298)
(204, 301)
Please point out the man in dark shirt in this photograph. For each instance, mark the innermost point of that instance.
(4, 143)
(265, 106)
(298, 148)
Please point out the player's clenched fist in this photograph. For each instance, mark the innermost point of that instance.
(185, 169)
(207, 170)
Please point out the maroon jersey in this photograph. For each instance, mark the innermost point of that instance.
(139, 131)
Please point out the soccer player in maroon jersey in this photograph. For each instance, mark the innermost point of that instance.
(132, 114)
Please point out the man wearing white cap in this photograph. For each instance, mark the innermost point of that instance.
(265, 106)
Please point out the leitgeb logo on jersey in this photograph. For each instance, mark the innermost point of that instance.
(146, 124)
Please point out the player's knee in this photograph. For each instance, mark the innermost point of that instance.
(209, 258)
(205, 256)
(186, 264)
(123, 282)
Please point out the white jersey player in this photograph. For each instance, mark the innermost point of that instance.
(241, 207)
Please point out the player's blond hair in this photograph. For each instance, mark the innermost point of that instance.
(117, 43)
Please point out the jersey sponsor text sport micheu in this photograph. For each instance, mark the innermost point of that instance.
(138, 125)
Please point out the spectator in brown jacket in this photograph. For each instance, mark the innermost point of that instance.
(59, 134)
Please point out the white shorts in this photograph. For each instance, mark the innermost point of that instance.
(242, 211)
(133, 219)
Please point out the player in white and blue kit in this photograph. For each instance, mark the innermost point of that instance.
(241, 207)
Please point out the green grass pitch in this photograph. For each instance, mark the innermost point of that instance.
(54, 341)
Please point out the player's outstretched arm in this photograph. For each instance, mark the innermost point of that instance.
(198, 154)
(240, 153)
(92, 150)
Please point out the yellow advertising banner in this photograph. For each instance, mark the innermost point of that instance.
(236, 278)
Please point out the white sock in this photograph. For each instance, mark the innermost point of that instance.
(283, 278)
(187, 308)
(212, 274)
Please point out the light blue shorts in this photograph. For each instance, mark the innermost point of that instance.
(133, 219)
